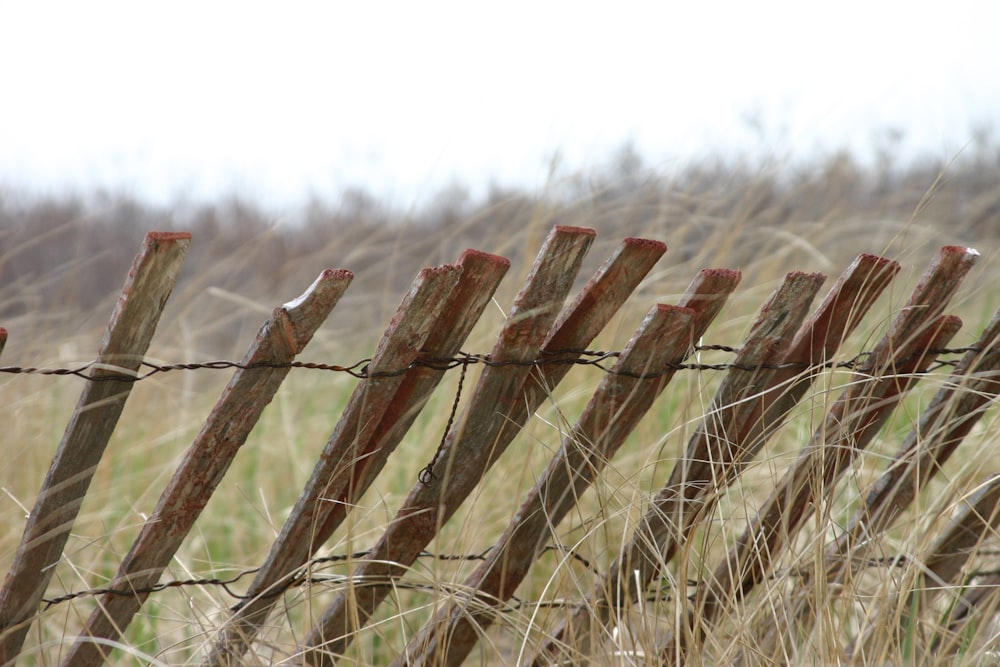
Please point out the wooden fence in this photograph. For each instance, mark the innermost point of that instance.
(786, 349)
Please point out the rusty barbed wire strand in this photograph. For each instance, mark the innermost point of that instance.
(359, 369)
(427, 474)
(302, 577)
(294, 580)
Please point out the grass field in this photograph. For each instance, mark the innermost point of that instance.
(62, 260)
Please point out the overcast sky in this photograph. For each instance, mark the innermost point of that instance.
(281, 100)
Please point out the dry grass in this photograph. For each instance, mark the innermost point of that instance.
(242, 266)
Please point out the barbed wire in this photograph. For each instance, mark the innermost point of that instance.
(301, 577)
(305, 576)
(360, 369)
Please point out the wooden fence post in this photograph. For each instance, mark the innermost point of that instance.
(817, 340)
(359, 423)
(711, 450)
(129, 333)
(852, 422)
(537, 346)
(505, 396)
(241, 404)
(666, 337)
(949, 417)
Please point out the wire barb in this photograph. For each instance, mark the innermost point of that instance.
(300, 578)
(359, 369)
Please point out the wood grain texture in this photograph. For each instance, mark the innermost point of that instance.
(612, 413)
(225, 431)
(481, 275)
(130, 331)
(399, 347)
(713, 449)
(486, 426)
(851, 423)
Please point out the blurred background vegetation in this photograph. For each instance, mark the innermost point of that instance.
(63, 255)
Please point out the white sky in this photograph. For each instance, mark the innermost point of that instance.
(279, 100)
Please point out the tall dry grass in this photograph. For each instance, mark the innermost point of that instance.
(62, 258)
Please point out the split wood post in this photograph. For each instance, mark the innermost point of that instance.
(941, 570)
(947, 420)
(130, 330)
(481, 275)
(504, 398)
(713, 448)
(851, 423)
(817, 342)
(238, 409)
(295, 544)
(666, 337)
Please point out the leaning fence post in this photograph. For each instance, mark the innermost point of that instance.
(665, 337)
(942, 566)
(624, 396)
(129, 333)
(241, 404)
(853, 420)
(399, 347)
(500, 404)
(951, 415)
(708, 454)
